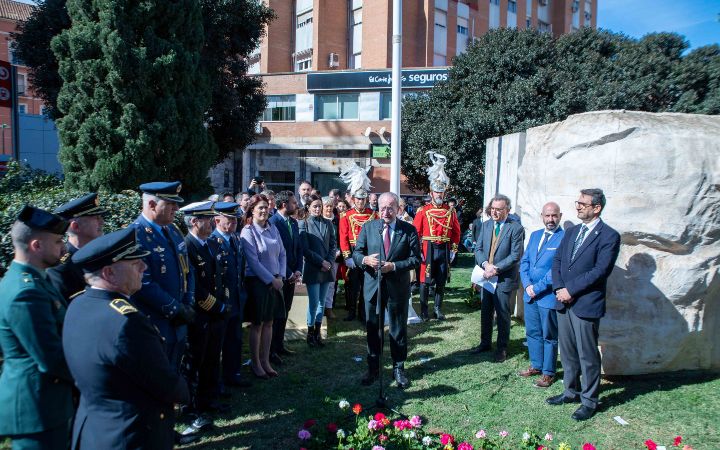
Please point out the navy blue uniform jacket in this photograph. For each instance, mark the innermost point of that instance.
(126, 383)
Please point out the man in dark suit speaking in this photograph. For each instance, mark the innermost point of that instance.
(581, 267)
(392, 247)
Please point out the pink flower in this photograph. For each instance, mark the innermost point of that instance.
(382, 438)
(415, 421)
(379, 417)
(464, 446)
(332, 428)
(677, 441)
(588, 446)
(309, 423)
(503, 434)
(446, 439)
(481, 434)
(378, 447)
(541, 447)
(548, 437)
(304, 434)
(372, 425)
(687, 447)
(650, 444)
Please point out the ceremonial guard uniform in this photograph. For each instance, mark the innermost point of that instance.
(168, 285)
(35, 385)
(128, 386)
(439, 230)
(207, 331)
(349, 230)
(232, 270)
(67, 277)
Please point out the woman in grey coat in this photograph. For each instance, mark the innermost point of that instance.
(319, 245)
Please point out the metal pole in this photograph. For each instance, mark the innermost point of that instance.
(396, 97)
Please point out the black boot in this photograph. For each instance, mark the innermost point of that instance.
(311, 337)
(399, 375)
(318, 338)
(439, 291)
(424, 302)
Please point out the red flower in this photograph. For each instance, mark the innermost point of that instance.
(677, 441)
(309, 423)
(379, 417)
(650, 445)
(588, 446)
(332, 428)
(446, 439)
(357, 408)
(465, 446)
(541, 447)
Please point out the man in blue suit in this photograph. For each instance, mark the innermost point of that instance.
(286, 205)
(167, 293)
(540, 303)
(581, 267)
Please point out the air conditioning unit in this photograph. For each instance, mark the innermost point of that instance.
(333, 60)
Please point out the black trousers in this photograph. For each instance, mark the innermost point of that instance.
(232, 348)
(279, 324)
(498, 303)
(578, 341)
(205, 338)
(439, 265)
(398, 312)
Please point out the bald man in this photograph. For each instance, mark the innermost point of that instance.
(541, 326)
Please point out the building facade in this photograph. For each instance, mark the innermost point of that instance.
(326, 68)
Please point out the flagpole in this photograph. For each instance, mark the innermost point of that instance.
(396, 97)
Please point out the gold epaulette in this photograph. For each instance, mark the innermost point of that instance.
(436, 238)
(65, 258)
(122, 306)
(346, 254)
(208, 303)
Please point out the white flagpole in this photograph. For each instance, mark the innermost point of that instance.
(396, 97)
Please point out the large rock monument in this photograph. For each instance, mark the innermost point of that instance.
(661, 176)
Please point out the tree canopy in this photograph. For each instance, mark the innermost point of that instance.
(158, 92)
(511, 80)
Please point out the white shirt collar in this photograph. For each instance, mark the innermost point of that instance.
(590, 226)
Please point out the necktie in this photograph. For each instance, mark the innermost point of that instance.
(545, 239)
(289, 227)
(497, 228)
(386, 240)
(578, 241)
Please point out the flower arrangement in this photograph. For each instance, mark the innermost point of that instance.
(378, 432)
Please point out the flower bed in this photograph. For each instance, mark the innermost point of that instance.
(378, 432)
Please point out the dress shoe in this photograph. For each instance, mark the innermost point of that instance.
(544, 381)
(500, 356)
(529, 372)
(200, 423)
(370, 377)
(583, 413)
(424, 316)
(439, 315)
(350, 317)
(479, 349)
(329, 314)
(400, 378)
(276, 359)
(560, 400)
(186, 439)
(285, 351)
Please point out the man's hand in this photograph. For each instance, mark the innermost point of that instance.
(326, 266)
(490, 270)
(350, 263)
(277, 283)
(372, 260)
(387, 267)
(530, 291)
(297, 276)
(563, 295)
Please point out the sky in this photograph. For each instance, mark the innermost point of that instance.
(697, 20)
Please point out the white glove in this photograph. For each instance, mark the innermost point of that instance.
(350, 263)
(452, 256)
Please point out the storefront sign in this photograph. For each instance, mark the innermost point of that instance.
(380, 151)
(373, 80)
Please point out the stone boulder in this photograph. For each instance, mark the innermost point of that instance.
(661, 177)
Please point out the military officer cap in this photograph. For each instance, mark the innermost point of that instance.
(108, 249)
(164, 190)
(87, 205)
(199, 209)
(360, 193)
(227, 209)
(41, 220)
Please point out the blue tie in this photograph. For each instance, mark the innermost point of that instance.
(546, 237)
(578, 241)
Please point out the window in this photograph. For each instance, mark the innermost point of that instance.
(280, 107)
(304, 31)
(494, 20)
(21, 83)
(325, 181)
(278, 181)
(512, 6)
(544, 27)
(386, 102)
(22, 108)
(356, 38)
(11, 53)
(462, 30)
(337, 106)
(440, 46)
(303, 65)
(461, 39)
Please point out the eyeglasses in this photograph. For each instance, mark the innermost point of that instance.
(498, 209)
(582, 205)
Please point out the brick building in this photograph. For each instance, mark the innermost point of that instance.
(326, 67)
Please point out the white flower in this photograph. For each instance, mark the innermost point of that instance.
(340, 434)
(413, 435)
(548, 437)
(427, 440)
(344, 404)
(526, 436)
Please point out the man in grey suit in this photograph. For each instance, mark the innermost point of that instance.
(392, 247)
(499, 248)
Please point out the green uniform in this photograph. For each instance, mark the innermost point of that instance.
(35, 385)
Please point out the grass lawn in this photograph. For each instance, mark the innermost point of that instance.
(458, 393)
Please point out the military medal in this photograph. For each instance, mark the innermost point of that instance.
(163, 269)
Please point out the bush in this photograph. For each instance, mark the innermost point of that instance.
(25, 185)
